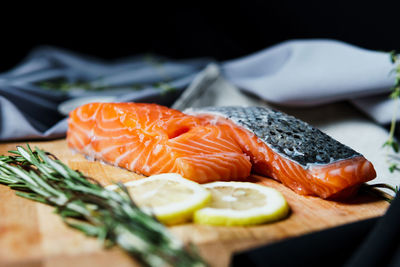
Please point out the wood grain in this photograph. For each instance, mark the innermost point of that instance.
(31, 235)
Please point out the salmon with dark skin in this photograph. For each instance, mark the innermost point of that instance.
(218, 143)
(293, 152)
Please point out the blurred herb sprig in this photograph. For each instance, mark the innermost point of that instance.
(391, 142)
(156, 63)
(395, 95)
(65, 86)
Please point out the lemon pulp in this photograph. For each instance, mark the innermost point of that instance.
(241, 204)
(170, 197)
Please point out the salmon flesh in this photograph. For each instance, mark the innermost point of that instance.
(293, 152)
(218, 143)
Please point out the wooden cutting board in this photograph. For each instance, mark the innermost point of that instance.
(31, 235)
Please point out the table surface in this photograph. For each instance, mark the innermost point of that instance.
(31, 235)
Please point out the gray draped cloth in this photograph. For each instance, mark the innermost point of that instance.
(293, 73)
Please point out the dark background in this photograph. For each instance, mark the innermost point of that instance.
(221, 31)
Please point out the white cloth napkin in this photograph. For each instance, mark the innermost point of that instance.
(340, 120)
(312, 72)
(30, 111)
(295, 73)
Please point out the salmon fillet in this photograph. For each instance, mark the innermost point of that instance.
(218, 144)
(292, 152)
(152, 139)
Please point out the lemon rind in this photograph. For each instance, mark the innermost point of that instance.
(228, 217)
(179, 212)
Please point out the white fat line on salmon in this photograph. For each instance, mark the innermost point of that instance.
(121, 157)
(190, 147)
(110, 148)
(105, 137)
(147, 111)
(99, 126)
(231, 144)
(211, 145)
(77, 138)
(199, 164)
(91, 118)
(112, 119)
(157, 149)
(171, 161)
(217, 163)
(88, 133)
(133, 163)
(149, 153)
(161, 159)
(227, 164)
(120, 129)
(332, 161)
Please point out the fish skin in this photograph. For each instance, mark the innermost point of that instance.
(289, 150)
(284, 134)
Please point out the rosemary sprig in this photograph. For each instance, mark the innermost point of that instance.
(64, 86)
(69, 86)
(371, 189)
(391, 141)
(85, 205)
(164, 87)
(395, 95)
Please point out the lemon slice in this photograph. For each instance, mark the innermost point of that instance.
(169, 196)
(241, 204)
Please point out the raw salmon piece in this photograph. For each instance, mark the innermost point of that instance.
(291, 151)
(151, 139)
(218, 143)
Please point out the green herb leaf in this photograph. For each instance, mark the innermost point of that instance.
(395, 95)
(371, 189)
(393, 167)
(393, 56)
(110, 216)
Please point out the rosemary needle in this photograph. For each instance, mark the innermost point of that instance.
(85, 205)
